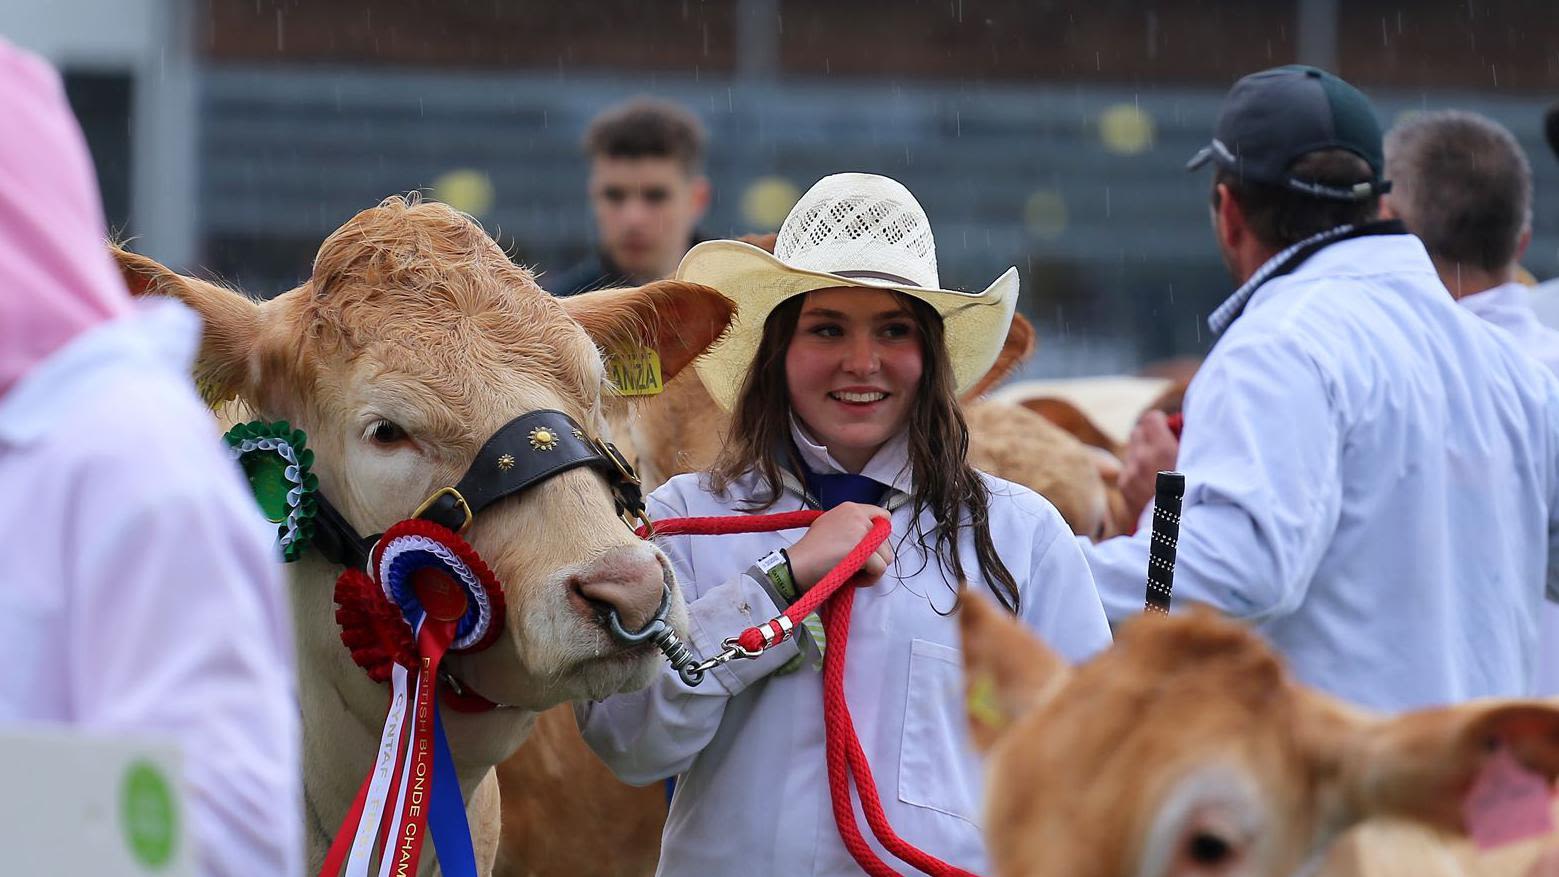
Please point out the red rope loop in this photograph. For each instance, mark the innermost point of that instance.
(845, 757)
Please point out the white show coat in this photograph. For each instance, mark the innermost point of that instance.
(1509, 307)
(1372, 477)
(139, 586)
(749, 746)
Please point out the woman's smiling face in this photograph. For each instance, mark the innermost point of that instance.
(853, 366)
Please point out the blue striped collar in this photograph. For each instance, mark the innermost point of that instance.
(1234, 305)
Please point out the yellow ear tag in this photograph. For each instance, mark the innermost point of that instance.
(211, 393)
(982, 703)
(635, 371)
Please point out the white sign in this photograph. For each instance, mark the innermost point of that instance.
(93, 804)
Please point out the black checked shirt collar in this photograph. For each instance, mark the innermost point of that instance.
(1289, 260)
(1234, 305)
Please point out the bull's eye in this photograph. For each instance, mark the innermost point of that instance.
(1205, 848)
(383, 432)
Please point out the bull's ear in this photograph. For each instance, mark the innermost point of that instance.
(1018, 347)
(230, 321)
(1422, 765)
(1007, 671)
(676, 318)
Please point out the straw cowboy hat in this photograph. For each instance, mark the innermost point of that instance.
(858, 230)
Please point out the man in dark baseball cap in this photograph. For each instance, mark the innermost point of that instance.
(1352, 432)
(1272, 119)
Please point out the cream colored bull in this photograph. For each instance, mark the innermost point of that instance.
(1186, 749)
(412, 342)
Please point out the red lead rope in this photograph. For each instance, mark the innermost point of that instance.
(846, 758)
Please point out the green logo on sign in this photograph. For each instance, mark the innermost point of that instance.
(149, 816)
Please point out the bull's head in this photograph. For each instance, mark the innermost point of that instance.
(413, 341)
(1187, 750)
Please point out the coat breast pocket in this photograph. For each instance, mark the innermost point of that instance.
(938, 769)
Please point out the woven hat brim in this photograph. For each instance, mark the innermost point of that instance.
(975, 323)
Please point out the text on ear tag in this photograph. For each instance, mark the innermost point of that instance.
(635, 371)
(983, 704)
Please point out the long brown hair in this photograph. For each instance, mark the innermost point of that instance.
(945, 484)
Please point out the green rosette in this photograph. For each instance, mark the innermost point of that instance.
(276, 460)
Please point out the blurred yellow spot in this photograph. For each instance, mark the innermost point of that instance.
(465, 189)
(767, 201)
(1045, 214)
(1126, 129)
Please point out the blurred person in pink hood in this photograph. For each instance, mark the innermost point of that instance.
(139, 591)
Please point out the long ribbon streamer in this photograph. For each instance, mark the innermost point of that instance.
(449, 601)
(394, 815)
(413, 757)
(391, 748)
(404, 849)
(447, 821)
(339, 846)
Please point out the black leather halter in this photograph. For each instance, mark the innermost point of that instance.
(524, 452)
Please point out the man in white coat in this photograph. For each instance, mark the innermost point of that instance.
(1462, 184)
(1372, 474)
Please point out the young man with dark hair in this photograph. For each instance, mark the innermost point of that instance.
(647, 193)
(1372, 473)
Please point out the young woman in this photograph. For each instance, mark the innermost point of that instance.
(843, 369)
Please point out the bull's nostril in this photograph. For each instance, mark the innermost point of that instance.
(1206, 848)
(628, 583)
(585, 603)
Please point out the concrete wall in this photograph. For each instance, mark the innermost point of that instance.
(149, 41)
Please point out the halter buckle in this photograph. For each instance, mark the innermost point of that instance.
(459, 501)
(626, 488)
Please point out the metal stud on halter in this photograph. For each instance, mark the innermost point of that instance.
(1169, 489)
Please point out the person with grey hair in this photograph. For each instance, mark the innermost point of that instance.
(1463, 185)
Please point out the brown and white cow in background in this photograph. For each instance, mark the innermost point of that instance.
(1186, 749)
(412, 342)
(1101, 412)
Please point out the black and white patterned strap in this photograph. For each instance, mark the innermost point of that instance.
(1168, 491)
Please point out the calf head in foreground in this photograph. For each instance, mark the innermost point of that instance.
(1186, 749)
(414, 340)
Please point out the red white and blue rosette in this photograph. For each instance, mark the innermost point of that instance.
(427, 569)
(426, 592)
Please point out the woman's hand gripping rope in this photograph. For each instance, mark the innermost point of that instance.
(869, 553)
